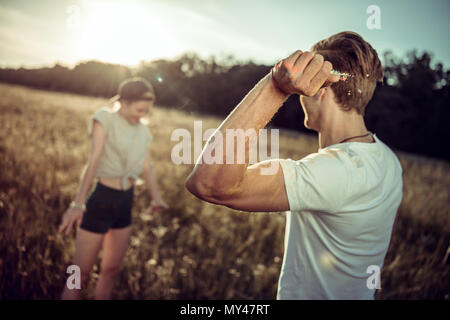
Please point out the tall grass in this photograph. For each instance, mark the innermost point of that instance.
(194, 250)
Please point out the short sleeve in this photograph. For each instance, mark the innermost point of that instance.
(317, 182)
(102, 116)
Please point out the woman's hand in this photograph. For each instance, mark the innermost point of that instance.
(71, 217)
(156, 206)
(302, 73)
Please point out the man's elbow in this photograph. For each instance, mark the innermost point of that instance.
(197, 188)
(203, 191)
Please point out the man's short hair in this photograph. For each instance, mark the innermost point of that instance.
(350, 53)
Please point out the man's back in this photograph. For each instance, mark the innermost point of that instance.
(343, 202)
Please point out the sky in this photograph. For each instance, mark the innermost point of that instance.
(42, 33)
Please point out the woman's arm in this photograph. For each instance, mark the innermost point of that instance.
(73, 215)
(150, 178)
(152, 185)
(98, 141)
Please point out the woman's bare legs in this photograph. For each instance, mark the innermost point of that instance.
(115, 246)
(87, 247)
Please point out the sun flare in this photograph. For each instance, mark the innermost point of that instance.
(124, 33)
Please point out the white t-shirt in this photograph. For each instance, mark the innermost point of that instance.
(343, 202)
(125, 146)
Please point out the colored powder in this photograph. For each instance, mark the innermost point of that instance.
(343, 76)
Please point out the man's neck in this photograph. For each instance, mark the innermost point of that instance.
(343, 127)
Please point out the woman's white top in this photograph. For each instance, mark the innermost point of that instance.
(125, 146)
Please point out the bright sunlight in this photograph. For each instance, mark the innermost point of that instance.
(123, 33)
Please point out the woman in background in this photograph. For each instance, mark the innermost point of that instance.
(119, 154)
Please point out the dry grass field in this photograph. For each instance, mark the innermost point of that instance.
(193, 250)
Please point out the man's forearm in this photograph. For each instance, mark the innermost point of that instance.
(253, 112)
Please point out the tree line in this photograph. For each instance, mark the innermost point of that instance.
(409, 112)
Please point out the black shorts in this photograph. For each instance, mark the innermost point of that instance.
(108, 208)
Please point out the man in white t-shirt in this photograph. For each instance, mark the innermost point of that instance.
(340, 202)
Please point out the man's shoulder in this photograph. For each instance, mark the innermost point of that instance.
(319, 181)
(327, 158)
(325, 162)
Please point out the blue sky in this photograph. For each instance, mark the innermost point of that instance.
(41, 33)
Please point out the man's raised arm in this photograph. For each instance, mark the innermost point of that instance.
(236, 184)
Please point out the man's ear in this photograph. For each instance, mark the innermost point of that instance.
(321, 93)
(326, 92)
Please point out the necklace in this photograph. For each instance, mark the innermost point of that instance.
(355, 137)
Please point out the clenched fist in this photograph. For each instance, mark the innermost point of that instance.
(303, 73)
